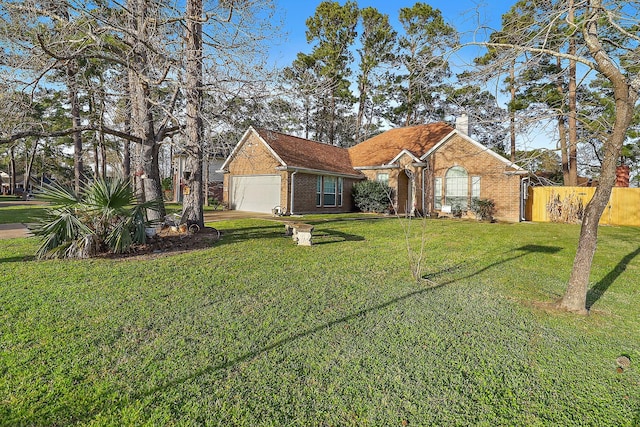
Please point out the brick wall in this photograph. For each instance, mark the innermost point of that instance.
(305, 187)
(495, 184)
(254, 158)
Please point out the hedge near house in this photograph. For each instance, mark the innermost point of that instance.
(372, 196)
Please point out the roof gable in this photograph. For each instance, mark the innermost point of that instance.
(472, 141)
(302, 153)
(242, 141)
(383, 149)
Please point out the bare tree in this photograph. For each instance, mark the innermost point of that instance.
(192, 206)
(607, 41)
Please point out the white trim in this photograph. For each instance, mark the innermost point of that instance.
(273, 153)
(243, 140)
(403, 152)
(478, 145)
(236, 148)
(437, 145)
(362, 168)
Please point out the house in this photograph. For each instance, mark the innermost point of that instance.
(430, 168)
(5, 183)
(435, 165)
(269, 170)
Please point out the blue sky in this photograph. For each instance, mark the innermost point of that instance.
(463, 15)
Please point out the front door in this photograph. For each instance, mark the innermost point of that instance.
(405, 192)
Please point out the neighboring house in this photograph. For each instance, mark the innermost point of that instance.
(270, 170)
(428, 167)
(5, 182)
(212, 176)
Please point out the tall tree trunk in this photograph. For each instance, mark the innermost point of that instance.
(126, 149)
(12, 170)
(307, 117)
(363, 88)
(626, 96)
(562, 142)
(103, 156)
(192, 207)
(332, 121)
(512, 110)
(126, 155)
(562, 127)
(573, 124)
(78, 165)
(409, 101)
(96, 160)
(142, 122)
(28, 168)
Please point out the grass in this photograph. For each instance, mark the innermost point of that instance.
(21, 213)
(256, 331)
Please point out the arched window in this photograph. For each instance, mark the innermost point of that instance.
(457, 188)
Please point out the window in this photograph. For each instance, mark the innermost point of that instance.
(437, 193)
(329, 191)
(457, 188)
(475, 188)
(383, 177)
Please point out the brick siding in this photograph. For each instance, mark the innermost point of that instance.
(495, 184)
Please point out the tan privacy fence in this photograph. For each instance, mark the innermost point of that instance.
(565, 204)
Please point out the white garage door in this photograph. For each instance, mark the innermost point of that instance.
(256, 193)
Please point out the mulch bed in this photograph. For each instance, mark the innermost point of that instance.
(171, 241)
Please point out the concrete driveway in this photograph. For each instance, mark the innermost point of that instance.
(11, 231)
(210, 216)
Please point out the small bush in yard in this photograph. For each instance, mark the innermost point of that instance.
(372, 196)
(484, 209)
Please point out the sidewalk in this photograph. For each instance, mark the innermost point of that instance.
(10, 231)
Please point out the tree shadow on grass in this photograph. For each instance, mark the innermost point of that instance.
(27, 258)
(526, 250)
(320, 237)
(596, 292)
(333, 236)
(284, 341)
(235, 235)
(311, 331)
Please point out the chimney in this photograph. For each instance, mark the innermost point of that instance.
(462, 124)
(622, 176)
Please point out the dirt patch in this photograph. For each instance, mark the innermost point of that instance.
(168, 241)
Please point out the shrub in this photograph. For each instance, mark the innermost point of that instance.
(569, 210)
(483, 208)
(372, 196)
(167, 183)
(106, 216)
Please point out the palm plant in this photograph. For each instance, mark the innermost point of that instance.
(104, 217)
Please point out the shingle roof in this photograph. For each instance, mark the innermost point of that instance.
(383, 148)
(302, 153)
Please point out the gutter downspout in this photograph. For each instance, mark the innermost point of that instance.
(292, 190)
(424, 192)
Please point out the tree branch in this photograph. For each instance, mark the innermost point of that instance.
(66, 132)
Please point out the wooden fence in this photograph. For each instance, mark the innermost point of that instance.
(623, 207)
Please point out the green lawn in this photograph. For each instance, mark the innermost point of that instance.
(256, 331)
(21, 213)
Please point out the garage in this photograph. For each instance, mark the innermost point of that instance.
(255, 193)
